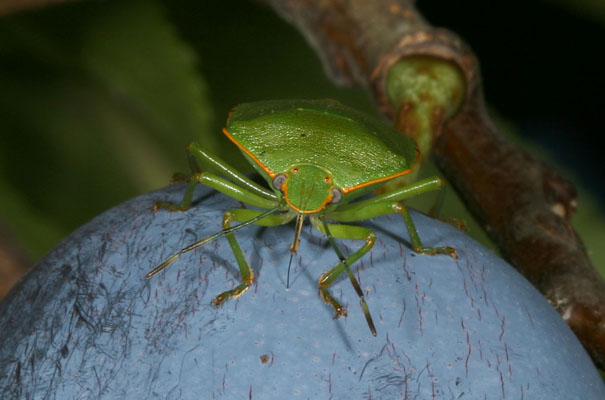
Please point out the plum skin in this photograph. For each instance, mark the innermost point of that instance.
(84, 323)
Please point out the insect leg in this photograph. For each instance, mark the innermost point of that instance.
(373, 210)
(327, 278)
(246, 273)
(185, 202)
(191, 182)
(415, 239)
(167, 262)
(222, 185)
(233, 190)
(411, 190)
(196, 152)
(216, 164)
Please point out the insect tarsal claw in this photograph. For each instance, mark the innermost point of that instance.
(341, 312)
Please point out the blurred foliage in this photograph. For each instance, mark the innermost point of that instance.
(97, 101)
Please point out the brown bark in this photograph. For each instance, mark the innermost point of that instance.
(524, 205)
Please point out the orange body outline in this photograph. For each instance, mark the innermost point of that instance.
(273, 175)
(318, 209)
(252, 156)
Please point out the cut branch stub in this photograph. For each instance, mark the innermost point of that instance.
(425, 91)
(359, 41)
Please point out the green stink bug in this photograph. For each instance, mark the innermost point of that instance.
(317, 157)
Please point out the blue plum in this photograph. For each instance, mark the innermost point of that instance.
(84, 323)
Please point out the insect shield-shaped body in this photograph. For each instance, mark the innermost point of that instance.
(319, 147)
(317, 157)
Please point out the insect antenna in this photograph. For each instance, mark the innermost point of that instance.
(343, 260)
(205, 240)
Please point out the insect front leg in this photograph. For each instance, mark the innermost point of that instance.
(192, 156)
(197, 153)
(246, 273)
(236, 192)
(185, 202)
(327, 278)
(224, 186)
(215, 164)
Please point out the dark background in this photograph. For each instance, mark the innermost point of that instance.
(543, 70)
(98, 99)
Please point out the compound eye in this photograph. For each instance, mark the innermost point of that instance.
(336, 195)
(278, 181)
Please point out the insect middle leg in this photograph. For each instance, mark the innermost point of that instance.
(246, 273)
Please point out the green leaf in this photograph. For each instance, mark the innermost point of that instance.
(97, 102)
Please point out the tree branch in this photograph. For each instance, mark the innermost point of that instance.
(524, 205)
